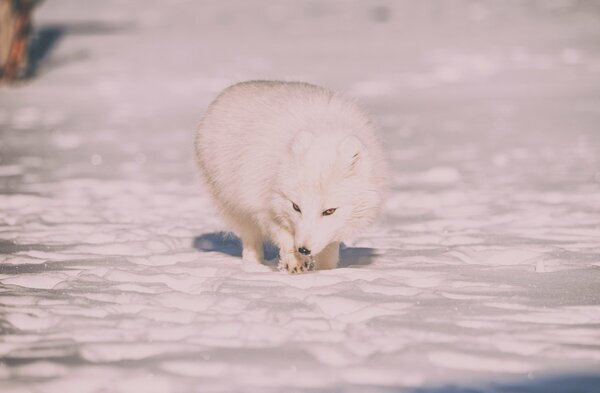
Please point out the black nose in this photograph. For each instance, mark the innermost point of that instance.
(304, 251)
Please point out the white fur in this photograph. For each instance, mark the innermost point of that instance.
(264, 145)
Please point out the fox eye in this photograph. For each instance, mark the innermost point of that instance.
(296, 207)
(329, 212)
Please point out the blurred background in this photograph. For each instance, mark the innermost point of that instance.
(490, 114)
(464, 76)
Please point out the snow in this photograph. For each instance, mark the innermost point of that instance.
(482, 274)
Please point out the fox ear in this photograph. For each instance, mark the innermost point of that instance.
(301, 142)
(351, 152)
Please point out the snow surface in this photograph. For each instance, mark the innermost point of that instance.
(483, 273)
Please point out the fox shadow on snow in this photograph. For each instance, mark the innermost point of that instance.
(230, 244)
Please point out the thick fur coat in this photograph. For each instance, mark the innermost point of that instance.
(294, 164)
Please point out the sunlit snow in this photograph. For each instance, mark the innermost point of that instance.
(483, 272)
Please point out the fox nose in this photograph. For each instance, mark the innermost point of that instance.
(304, 251)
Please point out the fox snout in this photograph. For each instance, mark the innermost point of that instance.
(303, 250)
(311, 236)
(308, 247)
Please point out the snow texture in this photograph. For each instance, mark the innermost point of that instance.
(483, 274)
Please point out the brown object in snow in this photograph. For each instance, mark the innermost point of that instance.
(15, 26)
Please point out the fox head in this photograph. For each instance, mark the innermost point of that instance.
(325, 190)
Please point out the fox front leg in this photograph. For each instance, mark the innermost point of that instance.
(290, 259)
(328, 257)
(296, 263)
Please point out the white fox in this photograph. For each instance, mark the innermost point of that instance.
(294, 164)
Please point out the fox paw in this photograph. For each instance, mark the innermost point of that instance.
(297, 264)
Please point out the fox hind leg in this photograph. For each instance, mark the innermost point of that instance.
(250, 235)
(252, 245)
(248, 232)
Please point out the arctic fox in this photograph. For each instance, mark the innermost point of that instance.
(294, 164)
